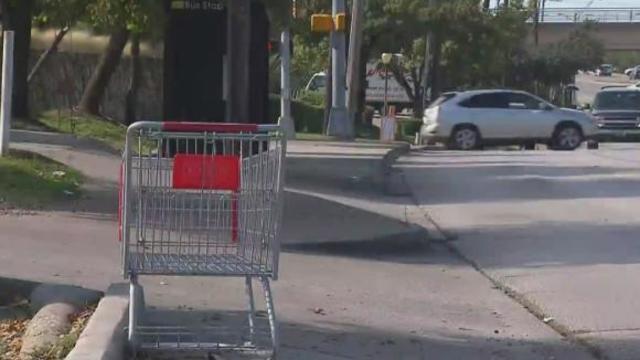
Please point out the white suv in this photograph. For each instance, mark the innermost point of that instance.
(468, 120)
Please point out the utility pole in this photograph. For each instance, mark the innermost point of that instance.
(354, 80)
(338, 115)
(238, 43)
(433, 50)
(426, 74)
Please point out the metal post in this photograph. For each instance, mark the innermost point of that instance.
(426, 73)
(354, 78)
(7, 91)
(286, 119)
(338, 114)
(386, 90)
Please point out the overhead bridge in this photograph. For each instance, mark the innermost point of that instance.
(617, 28)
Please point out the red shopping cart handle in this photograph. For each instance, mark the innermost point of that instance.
(209, 127)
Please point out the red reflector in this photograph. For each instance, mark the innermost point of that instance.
(209, 172)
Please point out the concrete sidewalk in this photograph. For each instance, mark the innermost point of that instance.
(557, 229)
(358, 280)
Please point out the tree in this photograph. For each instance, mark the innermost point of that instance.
(309, 50)
(17, 16)
(554, 66)
(119, 18)
(60, 15)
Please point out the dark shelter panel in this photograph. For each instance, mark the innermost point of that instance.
(194, 67)
(195, 48)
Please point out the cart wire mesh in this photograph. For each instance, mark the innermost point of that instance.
(202, 203)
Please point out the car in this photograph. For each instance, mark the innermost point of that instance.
(604, 70)
(617, 113)
(633, 73)
(471, 119)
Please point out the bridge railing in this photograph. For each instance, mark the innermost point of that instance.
(568, 15)
(579, 15)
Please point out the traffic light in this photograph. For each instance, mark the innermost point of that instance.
(340, 22)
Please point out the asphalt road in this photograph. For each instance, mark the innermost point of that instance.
(559, 229)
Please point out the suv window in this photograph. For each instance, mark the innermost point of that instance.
(442, 99)
(523, 101)
(487, 101)
(617, 100)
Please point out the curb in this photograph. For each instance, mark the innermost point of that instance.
(104, 337)
(399, 243)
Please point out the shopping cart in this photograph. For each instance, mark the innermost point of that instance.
(202, 199)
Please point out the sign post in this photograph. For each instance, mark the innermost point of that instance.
(7, 92)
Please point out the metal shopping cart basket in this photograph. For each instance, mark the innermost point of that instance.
(202, 199)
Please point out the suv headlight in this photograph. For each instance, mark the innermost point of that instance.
(598, 121)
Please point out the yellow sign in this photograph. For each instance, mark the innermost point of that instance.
(321, 23)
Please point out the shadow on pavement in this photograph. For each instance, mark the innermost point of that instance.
(408, 247)
(309, 219)
(337, 341)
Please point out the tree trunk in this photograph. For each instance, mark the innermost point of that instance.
(486, 4)
(435, 67)
(50, 51)
(97, 86)
(136, 77)
(16, 16)
(418, 97)
(400, 76)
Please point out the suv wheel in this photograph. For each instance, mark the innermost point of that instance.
(465, 138)
(567, 137)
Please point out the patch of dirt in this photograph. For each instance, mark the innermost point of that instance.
(11, 338)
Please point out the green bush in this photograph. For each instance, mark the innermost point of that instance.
(307, 118)
(314, 98)
(407, 128)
